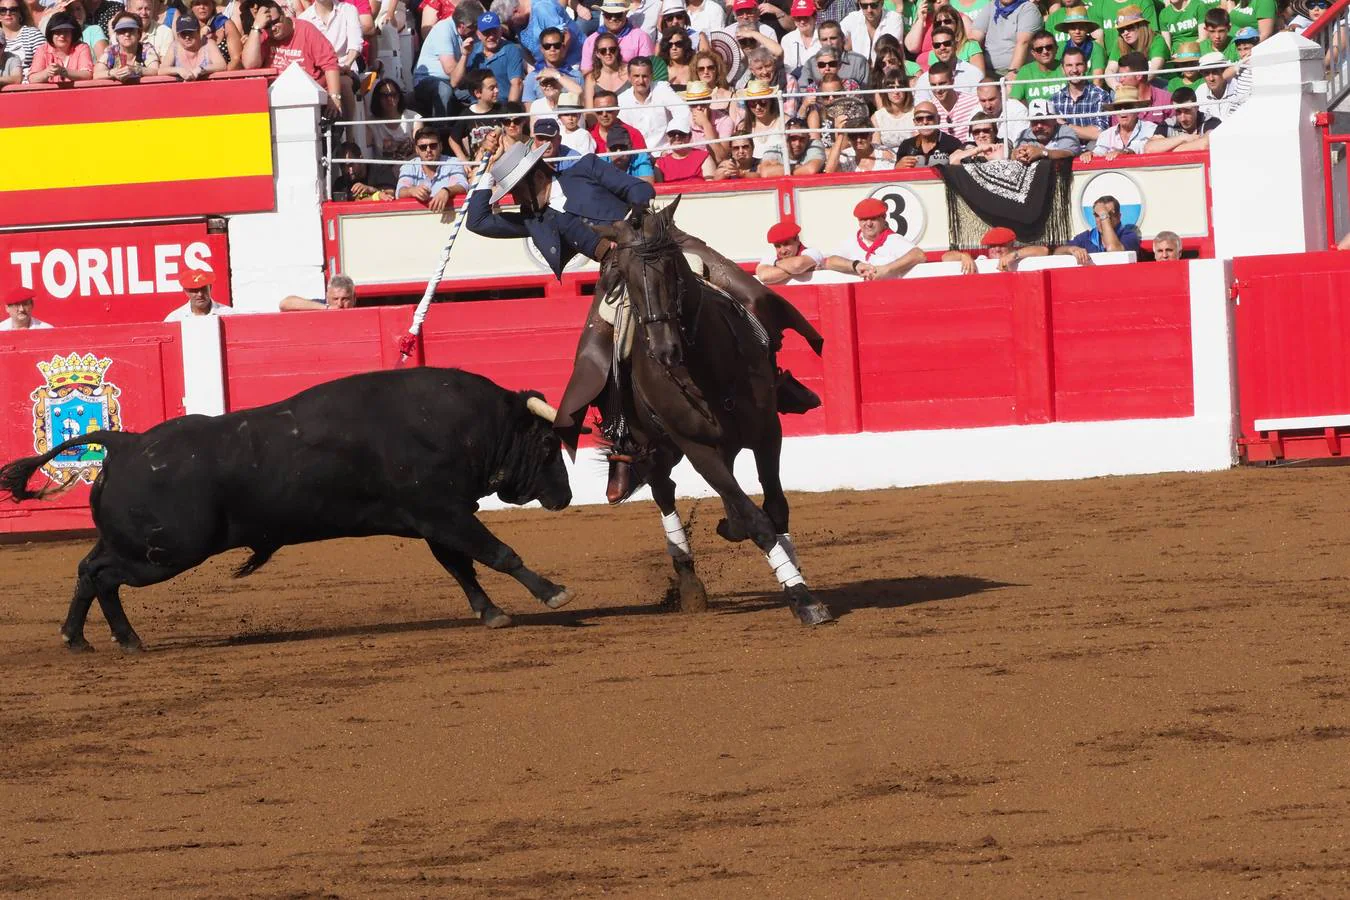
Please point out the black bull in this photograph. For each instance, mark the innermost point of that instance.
(406, 453)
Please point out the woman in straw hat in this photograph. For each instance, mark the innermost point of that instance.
(1135, 35)
(1130, 133)
(705, 122)
(765, 118)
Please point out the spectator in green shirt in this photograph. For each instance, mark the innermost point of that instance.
(1076, 26)
(1179, 21)
(1218, 27)
(1260, 14)
(1134, 34)
(1107, 12)
(1187, 55)
(1043, 65)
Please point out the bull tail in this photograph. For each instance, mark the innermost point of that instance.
(14, 476)
(255, 562)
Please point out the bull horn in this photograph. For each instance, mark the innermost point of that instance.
(541, 409)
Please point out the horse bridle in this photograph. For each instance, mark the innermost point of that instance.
(649, 253)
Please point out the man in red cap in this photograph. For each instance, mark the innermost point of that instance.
(875, 252)
(998, 243)
(197, 284)
(789, 261)
(19, 311)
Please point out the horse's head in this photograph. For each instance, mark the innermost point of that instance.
(654, 270)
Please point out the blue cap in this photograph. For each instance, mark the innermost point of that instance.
(545, 127)
(1247, 33)
(488, 21)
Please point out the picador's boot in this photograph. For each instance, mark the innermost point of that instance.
(620, 470)
(793, 396)
(590, 373)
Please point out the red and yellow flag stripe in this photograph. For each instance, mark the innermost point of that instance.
(141, 151)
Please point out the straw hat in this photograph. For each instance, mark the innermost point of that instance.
(1075, 18)
(1186, 54)
(514, 165)
(1214, 60)
(696, 90)
(1129, 15)
(614, 7)
(758, 90)
(568, 101)
(1127, 97)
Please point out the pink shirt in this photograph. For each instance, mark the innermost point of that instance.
(308, 47)
(632, 42)
(79, 60)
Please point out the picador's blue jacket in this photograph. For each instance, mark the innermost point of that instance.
(597, 193)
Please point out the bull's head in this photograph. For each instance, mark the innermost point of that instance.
(537, 471)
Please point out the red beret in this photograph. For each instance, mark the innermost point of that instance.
(997, 237)
(783, 231)
(19, 295)
(871, 208)
(192, 279)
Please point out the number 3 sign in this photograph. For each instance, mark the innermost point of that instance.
(904, 210)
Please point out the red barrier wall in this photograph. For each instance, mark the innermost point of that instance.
(140, 371)
(960, 352)
(1292, 324)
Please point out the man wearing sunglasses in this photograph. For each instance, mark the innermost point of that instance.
(954, 107)
(862, 28)
(1031, 84)
(435, 178)
(851, 66)
(552, 50)
(964, 75)
(614, 21)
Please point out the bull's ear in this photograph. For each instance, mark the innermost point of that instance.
(668, 214)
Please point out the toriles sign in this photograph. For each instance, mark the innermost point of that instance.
(98, 275)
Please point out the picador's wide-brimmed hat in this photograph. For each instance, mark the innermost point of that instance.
(514, 165)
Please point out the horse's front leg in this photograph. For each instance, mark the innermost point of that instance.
(708, 463)
(693, 597)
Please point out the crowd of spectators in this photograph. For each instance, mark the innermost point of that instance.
(683, 92)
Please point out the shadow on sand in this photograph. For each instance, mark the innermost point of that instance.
(874, 593)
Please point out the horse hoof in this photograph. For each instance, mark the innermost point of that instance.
(78, 646)
(559, 600)
(813, 613)
(693, 596)
(495, 618)
(132, 645)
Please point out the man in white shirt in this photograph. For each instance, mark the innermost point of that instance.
(197, 284)
(993, 105)
(1130, 133)
(874, 252)
(863, 26)
(644, 107)
(706, 17)
(340, 23)
(1213, 96)
(19, 312)
(790, 262)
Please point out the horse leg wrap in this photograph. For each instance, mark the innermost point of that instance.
(677, 542)
(785, 541)
(783, 567)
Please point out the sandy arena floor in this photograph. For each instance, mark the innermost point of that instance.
(1119, 687)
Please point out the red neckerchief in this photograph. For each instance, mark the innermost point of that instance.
(876, 245)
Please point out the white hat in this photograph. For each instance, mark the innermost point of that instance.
(679, 120)
(1214, 60)
(514, 165)
(670, 7)
(614, 7)
(568, 101)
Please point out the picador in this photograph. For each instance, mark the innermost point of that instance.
(557, 212)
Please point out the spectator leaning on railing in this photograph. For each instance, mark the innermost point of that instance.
(1080, 103)
(64, 58)
(11, 67)
(999, 245)
(21, 37)
(340, 294)
(351, 179)
(682, 163)
(277, 41)
(128, 58)
(191, 57)
(789, 261)
(1188, 129)
(874, 252)
(1107, 235)
(434, 179)
(1130, 134)
(1045, 138)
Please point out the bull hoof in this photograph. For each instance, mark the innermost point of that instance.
(77, 645)
(493, 617)
(730, 531)
(559, 600)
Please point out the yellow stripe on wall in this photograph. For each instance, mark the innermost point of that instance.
(138, 152)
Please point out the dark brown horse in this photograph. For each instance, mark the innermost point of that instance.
(699, 383)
